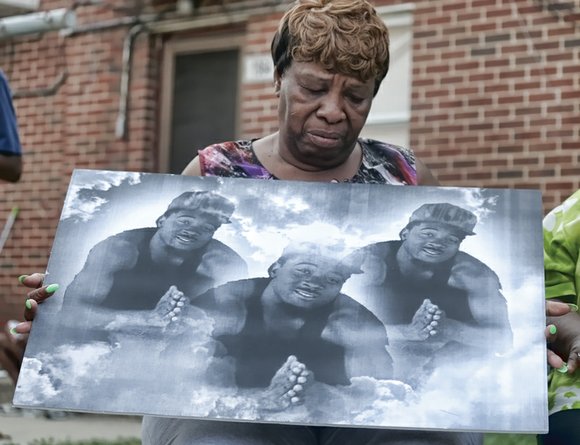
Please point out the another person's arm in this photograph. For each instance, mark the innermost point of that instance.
(10, 149)
(561, 262)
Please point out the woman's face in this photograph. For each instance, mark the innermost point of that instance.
(321, 114)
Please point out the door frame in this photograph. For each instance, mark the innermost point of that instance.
(196, 45)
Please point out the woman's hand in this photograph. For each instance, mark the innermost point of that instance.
(563, 335)
(13, 338)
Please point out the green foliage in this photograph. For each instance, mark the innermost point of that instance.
(510, 439)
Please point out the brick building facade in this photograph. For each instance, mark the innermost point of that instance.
(494, 89)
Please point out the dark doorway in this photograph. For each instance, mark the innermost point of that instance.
(205, 96)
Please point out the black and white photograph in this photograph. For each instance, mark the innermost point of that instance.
(291, 302)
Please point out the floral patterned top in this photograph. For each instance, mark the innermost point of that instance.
(381, 163)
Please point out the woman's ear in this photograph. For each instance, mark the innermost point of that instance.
(403, 234)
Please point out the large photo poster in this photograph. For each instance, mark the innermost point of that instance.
(293, 302)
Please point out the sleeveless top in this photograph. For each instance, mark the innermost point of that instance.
(382, 163)
(259, 352)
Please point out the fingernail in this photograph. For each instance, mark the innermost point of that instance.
(553, 329)
(13, 331)
(21, 278)
(563, 369)
(52, 288)
(573, 307)
(28, 304)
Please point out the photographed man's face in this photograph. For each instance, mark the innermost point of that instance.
(307, 282)
(186, 230)
(431, 242)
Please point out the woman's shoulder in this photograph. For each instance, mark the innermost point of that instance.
(232, 159)
(395, 163)
(381, 150)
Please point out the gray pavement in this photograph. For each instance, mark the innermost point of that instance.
(23, 426)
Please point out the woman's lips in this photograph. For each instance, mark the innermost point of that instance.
(325, 139)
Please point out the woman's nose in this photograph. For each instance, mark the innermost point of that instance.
(331, 108)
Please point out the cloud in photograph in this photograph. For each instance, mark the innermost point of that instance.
(88, 194)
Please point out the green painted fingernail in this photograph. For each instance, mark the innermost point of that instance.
(21, 278)
(573, 307)
(28, 304)
(563, 369)
(13, 331)
(52, 288)
(553, 329)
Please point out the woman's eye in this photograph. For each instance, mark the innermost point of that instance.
(313, 90)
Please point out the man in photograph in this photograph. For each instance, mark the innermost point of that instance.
(132, 270)
(298, 314)
(434, 299)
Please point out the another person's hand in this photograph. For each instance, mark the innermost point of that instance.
(563, 335)
(13, 339)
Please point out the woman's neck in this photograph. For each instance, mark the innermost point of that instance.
(283, 165)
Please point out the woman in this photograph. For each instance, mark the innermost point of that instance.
(330, 57)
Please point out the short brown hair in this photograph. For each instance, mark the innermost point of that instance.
(346, 36)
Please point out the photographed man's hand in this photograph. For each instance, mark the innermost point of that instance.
(427, 321)
(169, 309)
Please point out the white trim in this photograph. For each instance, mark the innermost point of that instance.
(393, 9)
(388, 118)
(397, 16)
(207, 21)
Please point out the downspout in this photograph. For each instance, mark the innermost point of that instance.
(121, 124)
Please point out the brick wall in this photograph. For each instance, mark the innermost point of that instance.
(495, 104)
(73, 125)
(495, 95)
